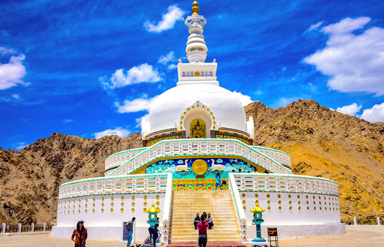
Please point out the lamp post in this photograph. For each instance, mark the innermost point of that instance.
(258, 219)
(152, 215)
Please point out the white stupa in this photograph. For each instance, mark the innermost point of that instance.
(194, 132)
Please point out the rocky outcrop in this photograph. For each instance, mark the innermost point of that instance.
(328, 144)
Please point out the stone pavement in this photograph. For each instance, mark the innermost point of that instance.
(357, 236)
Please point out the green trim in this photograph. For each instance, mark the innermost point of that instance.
(126, 151)
(200, 140)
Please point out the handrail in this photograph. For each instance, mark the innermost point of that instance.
(167, 209)
(271, 149)
(242, 219)
(125, 151)
(151, 154)
(117, 159)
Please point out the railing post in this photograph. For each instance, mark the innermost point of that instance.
(32, 227)
(3, 228)
(378, 221)
(19, 227)
(355, 221)
(44, 226)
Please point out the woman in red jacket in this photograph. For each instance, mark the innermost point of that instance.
(79, 235)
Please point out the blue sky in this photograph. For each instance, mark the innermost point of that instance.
(92, 68)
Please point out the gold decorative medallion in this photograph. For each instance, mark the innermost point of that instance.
(197, 73)
(199, 167)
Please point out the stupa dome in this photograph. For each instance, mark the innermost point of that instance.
(177, 107)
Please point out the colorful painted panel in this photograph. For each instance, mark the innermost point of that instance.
(201, 168)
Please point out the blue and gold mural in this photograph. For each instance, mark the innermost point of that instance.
(199, 173)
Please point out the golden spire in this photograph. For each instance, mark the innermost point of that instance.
(257, 209)
(153, 209)
(195, 8)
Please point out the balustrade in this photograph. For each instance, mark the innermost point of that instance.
(167, 148)
(115, 185)
(259, 182)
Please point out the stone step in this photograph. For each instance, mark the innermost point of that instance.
(232, 223)
(216, 244)
(227, 232)
(220, 238)
(186, 204)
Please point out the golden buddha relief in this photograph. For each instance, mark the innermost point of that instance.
(198, 129)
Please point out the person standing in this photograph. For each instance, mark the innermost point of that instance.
(203, 238)
(129, 227)
(218, 181)
(196, 220)
(80, 234)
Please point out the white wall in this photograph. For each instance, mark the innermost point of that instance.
(286, 216)
(107, 218)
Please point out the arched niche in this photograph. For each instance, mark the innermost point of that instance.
(198, 113)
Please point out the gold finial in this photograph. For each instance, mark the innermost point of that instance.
(195, 8)
(257, 208)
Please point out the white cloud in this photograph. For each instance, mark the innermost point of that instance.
(137, 74)
(109, 132)
(167, 58)
(21, 145)
(315, 26)
(11, 73)
(245, 99)
(354, 62)
(349, 109)
(167, 22)
(283, 102)
(15, 96)
(67, 120)
(374, 114)
(172, 66)
(4, 51)
(136, 105)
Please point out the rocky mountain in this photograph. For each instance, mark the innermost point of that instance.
(321, 142)
(30, 178)
(329, 144)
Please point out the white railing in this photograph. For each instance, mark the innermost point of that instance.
(191, 147)
(151, 183)
(120, 158)
(167, 210)
(280, 156)
(258, 182)
(241, 218)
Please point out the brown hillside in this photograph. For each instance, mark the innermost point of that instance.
(30, 178)
(328, 144)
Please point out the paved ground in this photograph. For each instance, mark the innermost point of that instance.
(359, 236)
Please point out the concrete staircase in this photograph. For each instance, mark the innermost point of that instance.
(219, 203)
